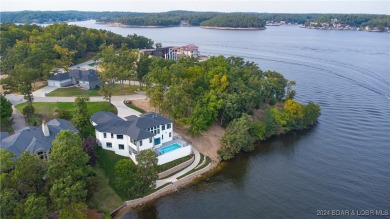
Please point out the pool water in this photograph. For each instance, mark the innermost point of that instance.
(169, 148)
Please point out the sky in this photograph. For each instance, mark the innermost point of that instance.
(271, 6)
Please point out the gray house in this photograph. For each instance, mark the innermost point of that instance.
(86, 79)
(35, 139)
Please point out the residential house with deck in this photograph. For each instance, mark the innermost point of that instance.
(127, 137)
(173, 52)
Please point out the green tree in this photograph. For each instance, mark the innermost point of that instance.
(237, 137)
(147, 173)
(6, 107)
(35, 207)
(125, 176)
(67, 170)
(20, 80)
(80, 119)
(28, 175)
(310, 113)
(8, 202)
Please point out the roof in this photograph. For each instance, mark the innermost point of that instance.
(60, 77)
(190, 47)
(32, 138)
(4, 135)
(89, 75)
(134, 126)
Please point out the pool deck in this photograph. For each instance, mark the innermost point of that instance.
(173, 178)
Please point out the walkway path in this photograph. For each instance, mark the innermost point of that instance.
(173, 178)
(123, 110)
(19, 122)
(45, 90)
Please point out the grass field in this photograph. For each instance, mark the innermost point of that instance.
(107, 160)
(74, 91)
(135, 108)
(56, 109)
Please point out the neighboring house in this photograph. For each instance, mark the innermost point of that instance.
(36, 139)
(129, 137)
(173, 52)
(86, 79)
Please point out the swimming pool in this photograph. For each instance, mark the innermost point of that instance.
(169, 148)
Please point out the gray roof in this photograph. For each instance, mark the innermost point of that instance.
(89, 75)
(134, 126)
(60, 77)
(3, 135)
(32, 139)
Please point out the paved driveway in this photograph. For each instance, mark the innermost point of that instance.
(45, 90)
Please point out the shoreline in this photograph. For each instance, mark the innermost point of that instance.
(115, 24)
(233, 28)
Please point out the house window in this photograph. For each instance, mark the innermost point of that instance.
(162, 136)
(163, 127)
(105, 135)
(119, 136)
(112, 135)
(108, 145)
(170, 134)
(169, 126)
(140, 143)
(158, 131)
(150, 140)
(121, 147)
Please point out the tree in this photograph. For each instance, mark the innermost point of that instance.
(237, 137)
(66, 57)
(20, 80)
(6, 107)
(28, 175)
(67, 170)
(80, 119)
(125, 176)
(89, 146)
(35, 207)
(310, 113)
(158, 45)
(146, 171)
(8, 202)
(294, 111)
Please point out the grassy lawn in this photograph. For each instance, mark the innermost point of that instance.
(105, 198)
(135, 108)
(64, 110)
(107, 160)
(74, 91)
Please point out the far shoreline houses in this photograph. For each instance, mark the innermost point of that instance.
(128, 136)
(173, 52)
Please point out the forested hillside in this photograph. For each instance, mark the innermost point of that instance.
(252, 104)
(174, 18)
(234, 21)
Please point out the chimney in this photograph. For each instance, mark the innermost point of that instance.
(45, 129)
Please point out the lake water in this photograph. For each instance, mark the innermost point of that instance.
(343, 163)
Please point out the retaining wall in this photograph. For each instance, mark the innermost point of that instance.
(176, 168)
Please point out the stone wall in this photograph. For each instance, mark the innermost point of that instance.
(176, 168)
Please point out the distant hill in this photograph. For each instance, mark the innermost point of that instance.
(176, 18)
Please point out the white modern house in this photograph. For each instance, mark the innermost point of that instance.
(136, 133)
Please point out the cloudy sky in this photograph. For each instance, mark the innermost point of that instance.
(280, 6)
